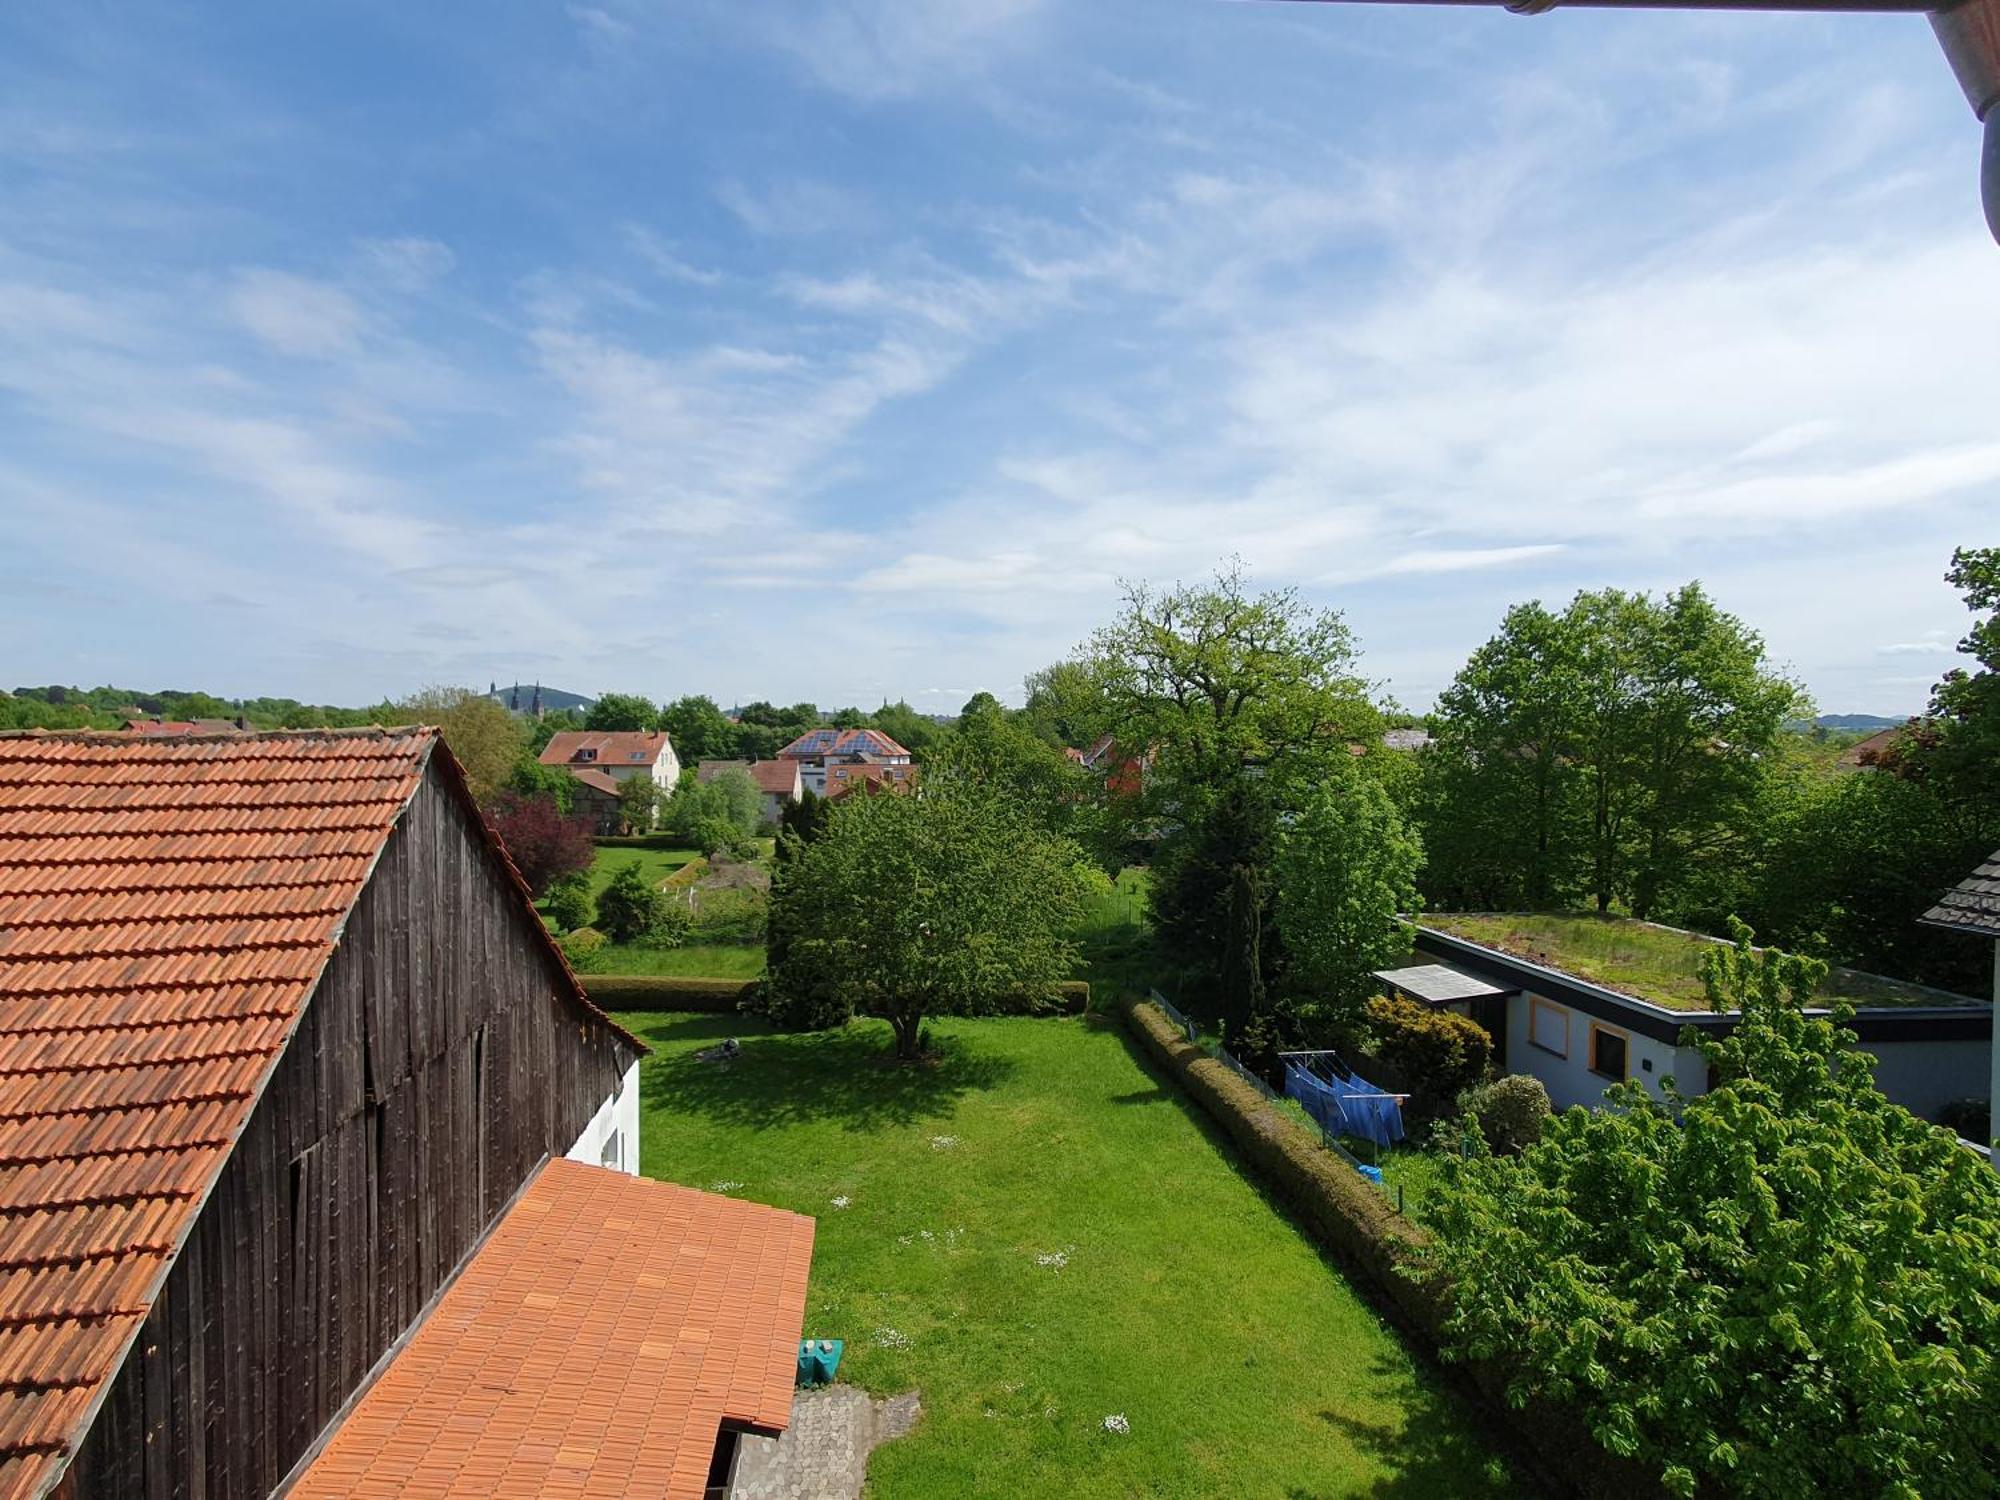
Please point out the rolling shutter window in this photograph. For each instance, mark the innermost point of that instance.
(1548, 1027)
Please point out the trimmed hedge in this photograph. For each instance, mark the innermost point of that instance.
(665, 992)
(1355, 1221)
(639, 841)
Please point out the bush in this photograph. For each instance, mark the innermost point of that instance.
(1433, 1055)
(1509, 1111)
(584, 948)
(1071, 997)
(667, 992)
(1972, 1119)
(543, 843)
(793, 1002)
(569, 903)
(632, 906)
(730, 916)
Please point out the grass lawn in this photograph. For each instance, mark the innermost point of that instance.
(1041, 1232)
(694, 960)
(657, 864)
(1661, 964)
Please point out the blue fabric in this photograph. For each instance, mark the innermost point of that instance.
(1346, 1106)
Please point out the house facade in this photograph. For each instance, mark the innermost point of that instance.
(618, 755)
(1972, 909)
(818, 749)
(285, 1043)
(1579, 1038)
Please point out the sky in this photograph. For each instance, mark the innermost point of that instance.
(857, 349)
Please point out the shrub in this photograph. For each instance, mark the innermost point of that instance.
(795, 1001)
(543, 843)
(569, 903)
(1434, 1055)
(584, 948)
(1509, 1111)
(632, 906)
(667, 992)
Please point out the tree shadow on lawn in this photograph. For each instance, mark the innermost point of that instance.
(846, 1077)
(1436, 1451)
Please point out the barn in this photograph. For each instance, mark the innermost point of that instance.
(316, 1161)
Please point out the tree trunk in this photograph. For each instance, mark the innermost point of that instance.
(909, 1031)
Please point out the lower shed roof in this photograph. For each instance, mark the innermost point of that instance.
(593, 1346)
(1441, 984)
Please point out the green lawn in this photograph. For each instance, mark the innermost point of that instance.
(657, 864)
(1040, 1233)
(694, 961)
(1661, 964)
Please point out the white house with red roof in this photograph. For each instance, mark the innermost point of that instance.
(617, 754)
(817, 749)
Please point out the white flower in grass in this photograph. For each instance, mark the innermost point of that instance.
(890, 1338)
(842, 1201)
(1116, 1423)
(724, 1187)
(1055, 1260)
(944, 1143)
(906, 1239)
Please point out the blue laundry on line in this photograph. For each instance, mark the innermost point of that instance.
(1346, 1106)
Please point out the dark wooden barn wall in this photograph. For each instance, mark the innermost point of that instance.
(434, 1067)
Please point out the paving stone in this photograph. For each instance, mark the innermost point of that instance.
(823, 1455)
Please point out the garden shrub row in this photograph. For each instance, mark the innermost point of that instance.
(639, 841)
(1356, 1222)
(665, 992)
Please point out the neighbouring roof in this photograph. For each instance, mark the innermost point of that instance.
(1870, 750)
(1405, 739)
(815, 743)
(840, 780)
(1441, 984)
(780, 777)
(1973, 905)
(181, 726)
(610, 747)
(708, 770)
(166, 908)
(592, 1346)
(597, 781)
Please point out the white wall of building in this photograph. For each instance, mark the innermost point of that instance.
(1567, 1073)
(1924, 1077)
(611, 1139)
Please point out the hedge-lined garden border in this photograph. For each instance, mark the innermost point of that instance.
(1355, 1222)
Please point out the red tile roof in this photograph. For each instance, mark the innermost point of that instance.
(591, 1347)
(166, 907)
(841, 780)
(614, 748)
(779, 777)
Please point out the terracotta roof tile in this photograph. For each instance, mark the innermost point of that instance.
(165, 908)
(593, 1346)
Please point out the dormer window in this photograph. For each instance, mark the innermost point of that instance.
(638, 755)
(586, 753)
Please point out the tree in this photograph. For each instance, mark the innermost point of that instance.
(543, 843)
(530, 778)
(993, 748)
(948, 902)
(1958, 746)
(1609, 754)
(484, 738)
(1346, 865)
(568, 902)
(700, 730)
(1785, 1287)
(632, 906)
(719, 812)
(622, 712)
(638, 802)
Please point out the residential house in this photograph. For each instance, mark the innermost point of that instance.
(595, 796)
(315, 1157)
(778, 782)
(1580, 1036)
(1972, 907)
(1124, 773)
(818, 749)
(616, 754)
(1870, 752)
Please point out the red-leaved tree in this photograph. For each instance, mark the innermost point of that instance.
(543, 843)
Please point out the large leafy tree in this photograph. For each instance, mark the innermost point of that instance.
(487, 740)
(1346, 867)
(616, 712)
(1609, 754)
(949, 901)
(700, 730)
(544, 843)
(1785, 1287)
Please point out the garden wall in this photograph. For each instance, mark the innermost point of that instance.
(1354, 1221)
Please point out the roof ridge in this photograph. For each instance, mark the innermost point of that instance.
(213, 736)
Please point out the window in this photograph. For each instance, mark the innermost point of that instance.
(1607, 1052)
(1548, 1026)
(586, 753)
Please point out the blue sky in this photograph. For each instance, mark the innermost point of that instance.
(837, 349)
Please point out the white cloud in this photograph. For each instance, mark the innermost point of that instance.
(296, 315)
(1464, 559)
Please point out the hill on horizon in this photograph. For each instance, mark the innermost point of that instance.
(553, 699)
(1859, 721)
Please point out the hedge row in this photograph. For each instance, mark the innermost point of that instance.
(639, 841)
(1353, 1220)
(665, 992)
